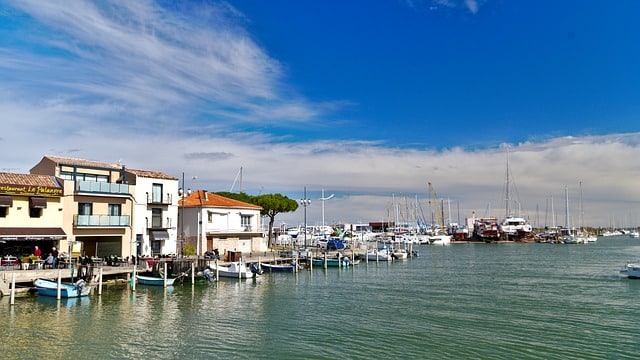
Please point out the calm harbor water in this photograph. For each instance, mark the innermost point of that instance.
(507, 301)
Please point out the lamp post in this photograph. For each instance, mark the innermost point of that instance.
(181, 193)
(323, 199)
(305, 202)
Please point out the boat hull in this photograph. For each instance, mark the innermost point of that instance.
(67, 290)
(155, 281)
(631, 271)
(277, 268)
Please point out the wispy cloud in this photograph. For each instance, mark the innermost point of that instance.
(141, 60)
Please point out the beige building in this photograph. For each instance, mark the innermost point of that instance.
(31, 213)
(97, 204)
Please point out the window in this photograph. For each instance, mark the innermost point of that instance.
(156, 218)
(35, 212)
(85, 209)
(115, 209)
(156, 193)
(4, 211)
(245, 221)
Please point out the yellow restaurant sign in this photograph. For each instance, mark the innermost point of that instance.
(30, 190)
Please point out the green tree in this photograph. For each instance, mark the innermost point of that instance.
(272, 205)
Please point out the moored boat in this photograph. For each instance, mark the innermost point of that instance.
(267, 267)
(342, 261)
(67, 290)
(237, 270)
(154, 280)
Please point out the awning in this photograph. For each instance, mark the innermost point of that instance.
(26, 233)
(6, 201)
(159, 235)
(37, 202)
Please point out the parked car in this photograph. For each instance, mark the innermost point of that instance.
(335, 244)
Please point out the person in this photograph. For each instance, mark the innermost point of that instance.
(49, 261)
(54, 252)
(37, 252)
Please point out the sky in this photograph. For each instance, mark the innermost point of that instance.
(367, 100)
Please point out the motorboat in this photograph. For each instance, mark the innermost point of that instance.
(237, 270)
(67, 290)
(154, 280)
(631, 271)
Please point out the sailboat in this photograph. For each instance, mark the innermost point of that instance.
(513, 227)
(588, 238)
(567, 234)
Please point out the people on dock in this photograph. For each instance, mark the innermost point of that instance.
(49, 262)
(54, 252)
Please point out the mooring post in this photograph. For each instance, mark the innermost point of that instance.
(13, 288)
(100, 281)
(59, 284)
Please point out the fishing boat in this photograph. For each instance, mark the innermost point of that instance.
(237, 270)
(154, 280)
(486, 229)
(631, 271)
(67, 290)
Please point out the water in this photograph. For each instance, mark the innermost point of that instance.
(512, 301)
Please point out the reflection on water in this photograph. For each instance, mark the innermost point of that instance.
(463, 301)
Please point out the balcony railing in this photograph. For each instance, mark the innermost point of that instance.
(101, 221)
(102, 187)
(159, 200)
(159, 223)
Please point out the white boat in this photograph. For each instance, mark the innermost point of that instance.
(383, 254)
(630, 270)
(237, 270)
(440, 239)
(634, 234)
(516, 227)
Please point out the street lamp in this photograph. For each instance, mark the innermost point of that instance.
(323, 199)
(181, 193)
(305, 202)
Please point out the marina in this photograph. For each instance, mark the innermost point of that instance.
(467, 300)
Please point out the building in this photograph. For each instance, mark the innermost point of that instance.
(210, 221)
(31, 213)
(98, 205)
(155, 215)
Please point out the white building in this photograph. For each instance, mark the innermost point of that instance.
(213, 222)
(155, 217)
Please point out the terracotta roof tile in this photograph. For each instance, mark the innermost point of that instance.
(29, 179)
(81, 162)
(151, 174)
(204, 198)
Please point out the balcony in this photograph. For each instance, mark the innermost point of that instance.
(100, 221)
(159, 223)
(159, 200)
(101, 188)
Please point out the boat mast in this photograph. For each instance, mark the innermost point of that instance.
(507, 195)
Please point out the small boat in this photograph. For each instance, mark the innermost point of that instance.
(631, 271)
(237, 270)
(266, 267)
(384, 254)
(440, 239)
(343, 261)
(154, 280)
(67, 290)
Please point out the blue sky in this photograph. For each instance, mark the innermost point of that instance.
(369, 100)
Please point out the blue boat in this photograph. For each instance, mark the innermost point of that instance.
(67, 290)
